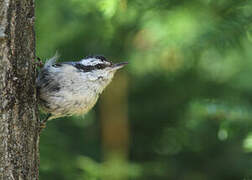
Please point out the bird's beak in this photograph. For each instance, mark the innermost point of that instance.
(119, 65)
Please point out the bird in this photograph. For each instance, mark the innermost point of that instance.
(73, 88)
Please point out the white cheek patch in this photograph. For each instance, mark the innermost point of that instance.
(99, 74)
(91, 77)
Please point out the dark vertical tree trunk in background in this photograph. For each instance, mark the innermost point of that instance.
(114, 124)
(19, 135)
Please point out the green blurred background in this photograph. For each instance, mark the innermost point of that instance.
(181, 109)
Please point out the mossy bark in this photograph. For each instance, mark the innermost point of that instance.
(19, 124)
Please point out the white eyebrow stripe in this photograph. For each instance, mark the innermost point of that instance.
(92, 62)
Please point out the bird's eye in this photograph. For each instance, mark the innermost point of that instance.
(100, 66)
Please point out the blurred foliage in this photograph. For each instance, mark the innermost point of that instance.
(189, 100)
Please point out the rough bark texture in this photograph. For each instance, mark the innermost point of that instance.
(19, 135)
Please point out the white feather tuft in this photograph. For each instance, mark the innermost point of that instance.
(52, 60)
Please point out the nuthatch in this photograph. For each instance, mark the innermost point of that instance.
(72, 88)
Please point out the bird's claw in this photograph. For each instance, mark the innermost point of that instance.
(42, 126)
(39, 62)
(43, 123)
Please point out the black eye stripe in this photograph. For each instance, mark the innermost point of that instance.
(57, 65)
(84, 68)
(100, 66)
(90, 68)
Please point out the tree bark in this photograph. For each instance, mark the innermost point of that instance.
(19, 123)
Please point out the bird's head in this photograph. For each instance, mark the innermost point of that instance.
(98, 68)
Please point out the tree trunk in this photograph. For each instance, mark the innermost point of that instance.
(114, 126)
(19, 134)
